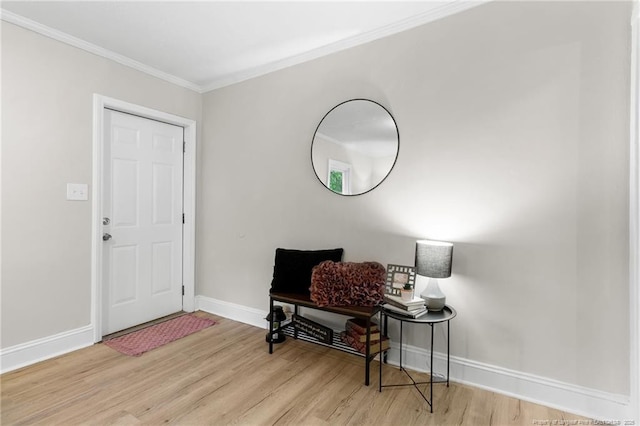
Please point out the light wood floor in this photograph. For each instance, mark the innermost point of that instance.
(225, 375)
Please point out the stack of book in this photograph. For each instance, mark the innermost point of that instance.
(355, 335)
(413, 308)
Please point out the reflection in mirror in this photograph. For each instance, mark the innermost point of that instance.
(355, 147)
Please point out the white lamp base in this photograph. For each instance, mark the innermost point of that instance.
(434, 297)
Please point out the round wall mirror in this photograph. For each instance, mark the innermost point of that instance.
(355, 147)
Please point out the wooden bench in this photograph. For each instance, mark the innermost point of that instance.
(365, 313)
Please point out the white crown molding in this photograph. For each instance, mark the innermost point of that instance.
(23, 22)
(438, 11)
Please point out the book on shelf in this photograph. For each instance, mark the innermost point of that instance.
(413, 304)
(362, 347)
(362, 337)
(360, 325)
(409, 314)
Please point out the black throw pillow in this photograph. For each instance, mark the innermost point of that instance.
(292, 269)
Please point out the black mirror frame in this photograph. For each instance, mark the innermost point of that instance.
(395, 160)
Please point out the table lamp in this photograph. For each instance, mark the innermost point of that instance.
(433, 260)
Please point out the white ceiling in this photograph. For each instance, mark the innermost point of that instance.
(209, 44)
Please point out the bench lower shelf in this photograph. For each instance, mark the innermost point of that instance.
(337, 343)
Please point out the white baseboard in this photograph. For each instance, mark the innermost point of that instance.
(240, 313)
(24, 354)
(563, 396)
(567, 397)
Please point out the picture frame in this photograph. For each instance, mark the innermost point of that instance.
(397, 277)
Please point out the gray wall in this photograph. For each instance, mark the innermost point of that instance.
(47, 107)
(513, 121)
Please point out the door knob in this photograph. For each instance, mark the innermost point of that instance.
(106, 220)
(106, 237)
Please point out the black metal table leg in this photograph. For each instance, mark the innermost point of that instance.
(401, 344)
(431, 319)
(431, 375)
(448, 352)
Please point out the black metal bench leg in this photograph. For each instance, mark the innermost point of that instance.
(367, 353)
(270, 325)
(381, 355)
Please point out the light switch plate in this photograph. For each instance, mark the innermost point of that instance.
(77, 191)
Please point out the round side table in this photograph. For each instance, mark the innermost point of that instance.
(432, 318)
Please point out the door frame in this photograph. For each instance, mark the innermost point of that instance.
(189, 202)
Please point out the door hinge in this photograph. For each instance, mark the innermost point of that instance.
(183, 218)
(183, 290)
(184, 146)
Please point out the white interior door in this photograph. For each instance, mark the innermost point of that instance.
(142, 208)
